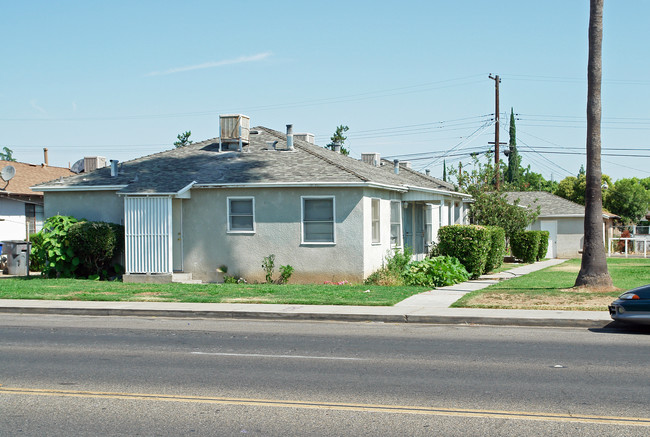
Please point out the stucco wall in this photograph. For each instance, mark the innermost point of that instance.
(207, 245)
(12, 225)
(570, 233)
(104, 206)
(375, 253)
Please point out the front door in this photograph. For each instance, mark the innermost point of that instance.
(551, 227)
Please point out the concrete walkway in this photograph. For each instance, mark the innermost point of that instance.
(429, 307)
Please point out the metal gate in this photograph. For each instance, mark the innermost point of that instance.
(148, 234)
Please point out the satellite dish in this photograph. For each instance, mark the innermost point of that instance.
(7, 173)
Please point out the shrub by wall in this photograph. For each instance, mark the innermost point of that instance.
(94, 243)
(543, 244)
(438, 271)
(525, 246)
(470, 244)
(497, 248)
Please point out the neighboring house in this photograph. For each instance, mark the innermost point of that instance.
(563, 219)
(232, 200)
(21, 208)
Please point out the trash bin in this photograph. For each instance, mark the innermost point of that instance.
(17, 252)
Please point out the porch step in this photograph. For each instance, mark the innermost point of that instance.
(185, 278)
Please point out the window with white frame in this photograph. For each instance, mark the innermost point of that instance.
(428, 224)
(318, 220)
(241, 214)
(396, 223)
(34, 217)
(376, 228)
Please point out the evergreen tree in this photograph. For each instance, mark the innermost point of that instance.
(183, 139)
(339, 139)
(444, 171)
(7, 154)
(513, 172)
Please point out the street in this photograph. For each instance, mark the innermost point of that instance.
(76, 375)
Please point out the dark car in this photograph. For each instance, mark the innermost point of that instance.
(632, 306)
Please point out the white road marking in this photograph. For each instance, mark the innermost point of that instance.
(304, 357)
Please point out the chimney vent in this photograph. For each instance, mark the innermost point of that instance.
(305, 137)
(289, 137)
(405, 164)
(45, 160)
(114, 167)
(396, 166)
(428, 172)
(336, 147)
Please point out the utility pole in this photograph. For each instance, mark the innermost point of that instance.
(496, 80)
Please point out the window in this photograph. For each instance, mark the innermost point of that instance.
(376, 234)
(34, 217)
(396, 223)
(318, 220)
(241, 214)
(428, 224)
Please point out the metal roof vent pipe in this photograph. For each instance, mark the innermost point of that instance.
(289, 137)
(336, 147)
(114, 163)
(45, 160)
(428, 172)
(396, 166)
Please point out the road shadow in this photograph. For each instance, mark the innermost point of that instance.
(622, 328)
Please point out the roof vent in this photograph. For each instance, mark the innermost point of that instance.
(114, 167)
(396, 166)
(371, 158)
(234, 130)
(289, 137)
(405, 164)
(427, 172)
(305, 137)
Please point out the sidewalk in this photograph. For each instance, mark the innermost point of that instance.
(429, 307)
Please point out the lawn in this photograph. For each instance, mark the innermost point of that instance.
(551, 288)
(77, 289)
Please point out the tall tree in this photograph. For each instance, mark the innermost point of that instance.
(339, 139)
(513, 172)
(593, 269)
(444, 170)
(183, 139)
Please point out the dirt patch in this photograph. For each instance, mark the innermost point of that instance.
(585, 289)
(565, 267)
(571, 301)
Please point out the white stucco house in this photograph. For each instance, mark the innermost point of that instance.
(562, 218)
(21, 208)
(249, 193)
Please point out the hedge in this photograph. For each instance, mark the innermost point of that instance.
(543, 244)
(525, 246)
(497, 248)
(469, 243)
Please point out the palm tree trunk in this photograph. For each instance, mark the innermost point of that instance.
(593, 270)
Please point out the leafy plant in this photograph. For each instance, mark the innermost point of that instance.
(227, 279)
(94, 243)
(268, 264)
(285, 273)
(37, 255)
(391, 272)
(497, 248)
(183, 139)
(543, 244)
(436, 272)
(525, 246)
(469, 243)
(54, 248)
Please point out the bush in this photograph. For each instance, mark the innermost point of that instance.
(469, 243)
(54, 249)
(94, 244)
(285, 273)
(37, 255)
(543, 244)
(391, 273)
(525, 246)
(268, 264)
(497, 248)
(435, 272)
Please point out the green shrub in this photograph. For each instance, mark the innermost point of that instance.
(543, 244)
(435, 272)
(54, 248)
(94, 244)
(37, 255)
(469, 243)
(392, 271)
(285, 273)
(497, 248)
(268, 264)
(525, 246)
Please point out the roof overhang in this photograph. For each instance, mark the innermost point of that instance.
(52, 188)
(400, 189)
(183, 193)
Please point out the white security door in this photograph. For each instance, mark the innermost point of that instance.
(148, 234)
(551, 227)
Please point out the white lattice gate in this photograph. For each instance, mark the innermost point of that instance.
(148, 234)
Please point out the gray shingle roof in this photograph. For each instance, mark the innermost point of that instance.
(550, 204)
(172, 170)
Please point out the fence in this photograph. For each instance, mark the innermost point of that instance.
(636, 243)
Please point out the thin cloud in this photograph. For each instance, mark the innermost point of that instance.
(38, 108)
(214, 64)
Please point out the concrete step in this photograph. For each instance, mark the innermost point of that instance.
(185, 278)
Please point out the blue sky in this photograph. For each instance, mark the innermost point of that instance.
(121, 79)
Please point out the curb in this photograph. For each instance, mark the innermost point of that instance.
(254, 315)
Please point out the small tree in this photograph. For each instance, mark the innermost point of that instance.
(629, 199)
(513, 172)
(183, 139)
(339, 139)
(493, 209)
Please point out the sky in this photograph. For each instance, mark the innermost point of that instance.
(121, 79)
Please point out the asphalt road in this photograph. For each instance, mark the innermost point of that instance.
(72, 375)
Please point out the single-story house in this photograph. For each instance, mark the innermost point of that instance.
(232, 200)
(563, 219)
(21, 208)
